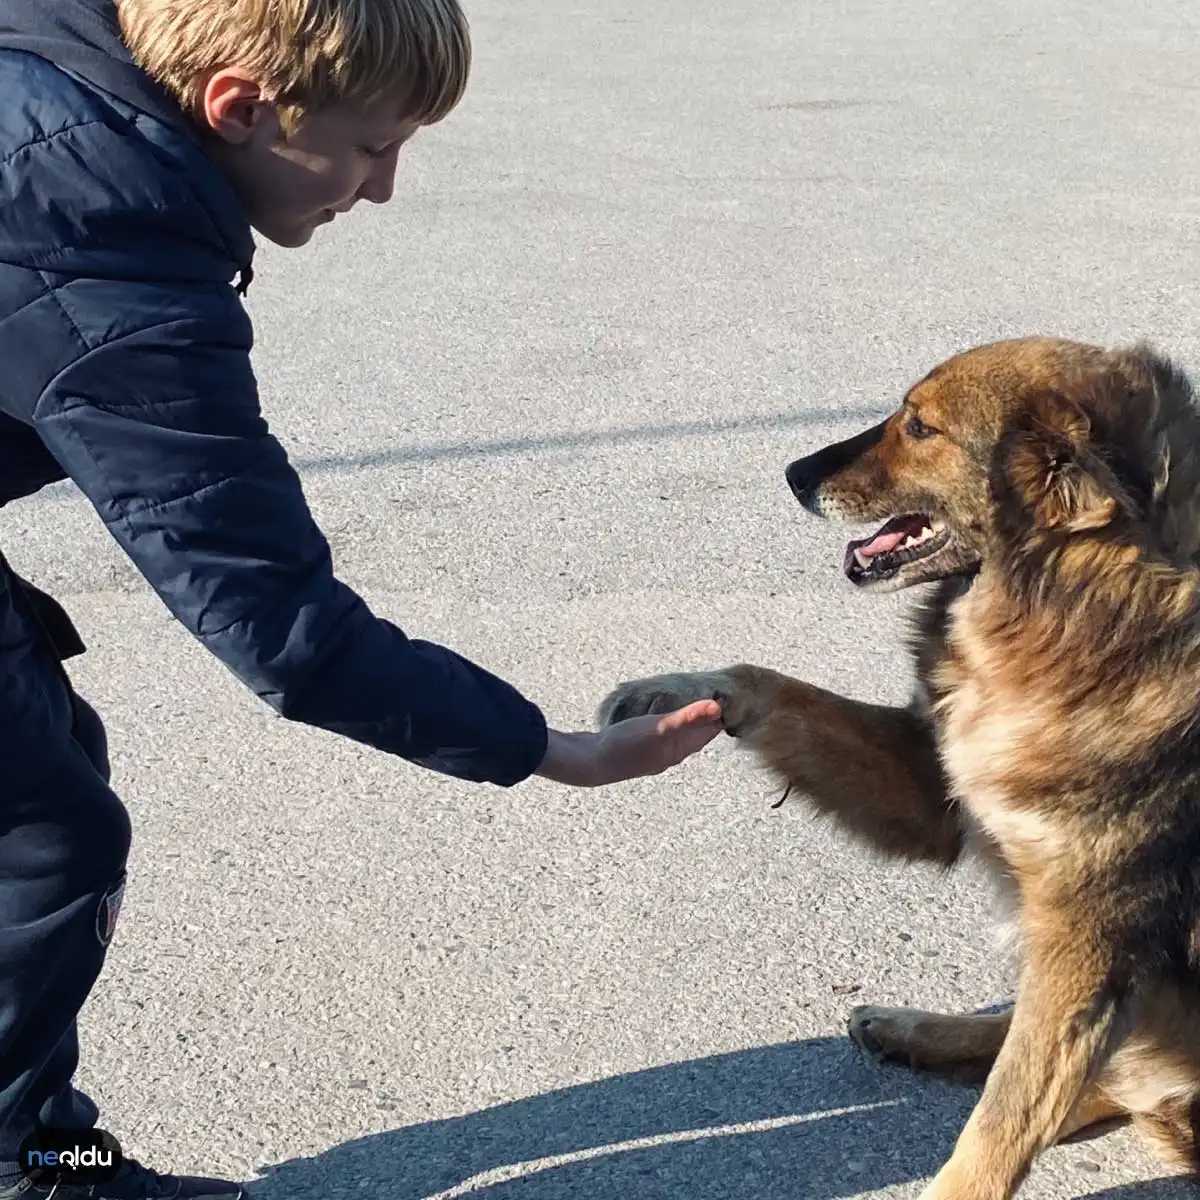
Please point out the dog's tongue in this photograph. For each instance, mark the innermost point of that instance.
(881, 543)
(891, 535)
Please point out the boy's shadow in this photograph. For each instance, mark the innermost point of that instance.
(799, 1121)
(1156, 1189)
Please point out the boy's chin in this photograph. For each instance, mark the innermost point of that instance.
(290, 234)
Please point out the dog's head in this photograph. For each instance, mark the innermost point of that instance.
(1014, 438)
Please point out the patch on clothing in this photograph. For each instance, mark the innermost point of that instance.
(109, 909)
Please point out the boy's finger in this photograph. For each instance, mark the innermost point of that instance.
(700, 712)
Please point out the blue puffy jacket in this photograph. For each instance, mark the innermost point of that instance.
(125, 355)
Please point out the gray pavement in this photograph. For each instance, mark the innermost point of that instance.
(542, 404)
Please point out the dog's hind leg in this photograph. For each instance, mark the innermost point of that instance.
(1064, 1028)
(960, 1046)
(875, 769)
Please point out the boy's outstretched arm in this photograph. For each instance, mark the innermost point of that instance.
(161, 428)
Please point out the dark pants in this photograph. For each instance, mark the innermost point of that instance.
(64, 838)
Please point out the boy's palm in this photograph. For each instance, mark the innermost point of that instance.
(651, 744)
(640, 746)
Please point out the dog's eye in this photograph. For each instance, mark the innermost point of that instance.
(917, 428)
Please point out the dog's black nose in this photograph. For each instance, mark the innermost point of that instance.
(802, 479)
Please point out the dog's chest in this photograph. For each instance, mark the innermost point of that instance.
(983, 735)
(993, 739)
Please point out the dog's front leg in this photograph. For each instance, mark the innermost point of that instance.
(1066, 1024)
(875, 769)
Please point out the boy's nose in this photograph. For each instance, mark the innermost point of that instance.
(380, 184)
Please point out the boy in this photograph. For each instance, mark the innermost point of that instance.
(139, 145)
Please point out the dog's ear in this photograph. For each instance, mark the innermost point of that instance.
(1057, 483)
(1059, 417)
(1055, 487)
(1052, 470)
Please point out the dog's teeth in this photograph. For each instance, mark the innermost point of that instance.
(924, 536)
(862, 560)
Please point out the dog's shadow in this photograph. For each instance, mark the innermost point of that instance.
(799, 1121)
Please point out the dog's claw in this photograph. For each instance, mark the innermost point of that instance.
(733, 728)
(858, 1025)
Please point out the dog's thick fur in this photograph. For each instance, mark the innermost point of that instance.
(1054, 732)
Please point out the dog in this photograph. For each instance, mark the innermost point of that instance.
(1045, 494)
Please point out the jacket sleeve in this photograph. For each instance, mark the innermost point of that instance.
(162, 430)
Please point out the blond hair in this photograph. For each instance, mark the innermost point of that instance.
(307, 54)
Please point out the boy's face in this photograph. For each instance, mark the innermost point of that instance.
(291, 185)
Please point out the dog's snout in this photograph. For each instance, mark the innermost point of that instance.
(803, 480)
(807, 476)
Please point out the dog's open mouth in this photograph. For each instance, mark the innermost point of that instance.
(901, 541)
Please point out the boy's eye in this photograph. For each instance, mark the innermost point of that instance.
(376, 152)
(916, 428)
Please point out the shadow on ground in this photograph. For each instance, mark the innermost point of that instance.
(581, 440)
(1154, 1189)
(798, 1121)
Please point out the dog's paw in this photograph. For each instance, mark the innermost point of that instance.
(886, 1034)
(661, 694)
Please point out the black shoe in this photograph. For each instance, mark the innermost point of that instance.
(132, 1182)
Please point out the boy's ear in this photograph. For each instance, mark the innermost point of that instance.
(234, 107)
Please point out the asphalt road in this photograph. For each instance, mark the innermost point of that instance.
(542, 404)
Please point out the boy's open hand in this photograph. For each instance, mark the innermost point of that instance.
(640, 746)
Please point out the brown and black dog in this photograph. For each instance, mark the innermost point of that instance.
(1049, 492)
